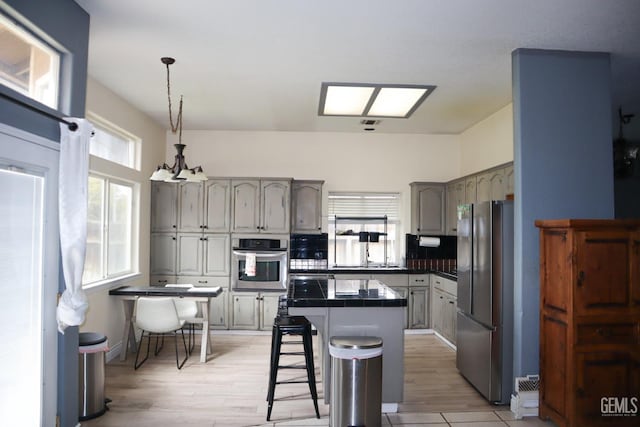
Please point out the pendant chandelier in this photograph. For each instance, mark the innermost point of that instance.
(179, 172)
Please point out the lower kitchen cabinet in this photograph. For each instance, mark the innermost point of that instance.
(218, 306)
(161, 280)
(253, 310)
(444, 307)
(404, 292)
(418, 303)
(418, 306)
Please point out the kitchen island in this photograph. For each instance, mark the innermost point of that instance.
(355, 308)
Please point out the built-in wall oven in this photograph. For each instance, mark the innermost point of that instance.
(259, 262)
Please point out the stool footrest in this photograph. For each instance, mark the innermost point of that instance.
(292, 382)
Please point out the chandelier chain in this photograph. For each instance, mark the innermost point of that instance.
(178, 125)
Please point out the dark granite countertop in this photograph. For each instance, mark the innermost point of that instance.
(378, 270)
(322, 292)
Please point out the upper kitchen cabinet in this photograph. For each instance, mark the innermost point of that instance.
(306, 207)
(217, 206)
(427, 208)
(261, 206)
(190, 206)
(508, 180)
(164, 206)
(204, 206)
(491, 186)
(455, 197)
(470, 185)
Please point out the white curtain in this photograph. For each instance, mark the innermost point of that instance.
(72, 201)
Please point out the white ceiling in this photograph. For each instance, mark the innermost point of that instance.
(259, 64)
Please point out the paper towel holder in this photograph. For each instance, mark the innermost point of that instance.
(429, 242)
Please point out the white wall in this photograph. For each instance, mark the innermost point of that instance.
(488, 143)
(345, 161)
(105, 313)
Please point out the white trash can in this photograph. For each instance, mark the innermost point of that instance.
(92, 348)
(356, 381)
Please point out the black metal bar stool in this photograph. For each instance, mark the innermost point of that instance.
(285, 325)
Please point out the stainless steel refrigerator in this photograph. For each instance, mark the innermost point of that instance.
(484, 336)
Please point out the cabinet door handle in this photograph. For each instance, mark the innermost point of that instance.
(419, 280)
(173, 226)
(173, 238)
(451, 302)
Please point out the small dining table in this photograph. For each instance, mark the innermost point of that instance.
(129, 295)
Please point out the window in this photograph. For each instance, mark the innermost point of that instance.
(363, 212)
(114, 144)
(110, 229)
(28, 65)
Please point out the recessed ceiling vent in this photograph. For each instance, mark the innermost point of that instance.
(368, 122)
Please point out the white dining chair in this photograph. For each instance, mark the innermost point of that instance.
(187, 311)
(158, 317)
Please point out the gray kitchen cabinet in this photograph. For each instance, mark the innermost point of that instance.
(217, 206)
(306, 207)
(508, 180)
(204, 207)
(217, 254)
(203, 254)
(455, 197)
(163, 254)
(444, 307)
(189, 254)
(404, 293)
(427, 208)
(470, 189)
(437, 305)
(245, 207)
(418, 301)
(418, 307)
(261, 206)
(190, 207)
(218, 306)
(253, 310)
(244, 310)
(268, 310)
(159, 280)
(164, 206)
(490, 186)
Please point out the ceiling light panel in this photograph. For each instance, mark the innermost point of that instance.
(395, 101)
(346, 100)
(371, 100)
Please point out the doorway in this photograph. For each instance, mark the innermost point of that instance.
(29, 258)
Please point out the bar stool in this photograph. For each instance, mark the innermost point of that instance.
(285, 325)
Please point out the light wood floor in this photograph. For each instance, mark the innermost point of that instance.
(230, 389)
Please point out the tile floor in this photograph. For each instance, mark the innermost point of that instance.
(500, 418)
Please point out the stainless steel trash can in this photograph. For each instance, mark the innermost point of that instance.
(356, 381)
(92, 347)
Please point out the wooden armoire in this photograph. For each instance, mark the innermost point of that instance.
(590, 322)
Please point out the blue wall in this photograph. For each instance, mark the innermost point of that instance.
(563, 165)
(65, 25)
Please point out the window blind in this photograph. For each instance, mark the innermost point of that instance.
(364, 204)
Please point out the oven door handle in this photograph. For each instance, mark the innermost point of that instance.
(261, 254)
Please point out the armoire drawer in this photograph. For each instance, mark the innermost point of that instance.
(607, 333)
